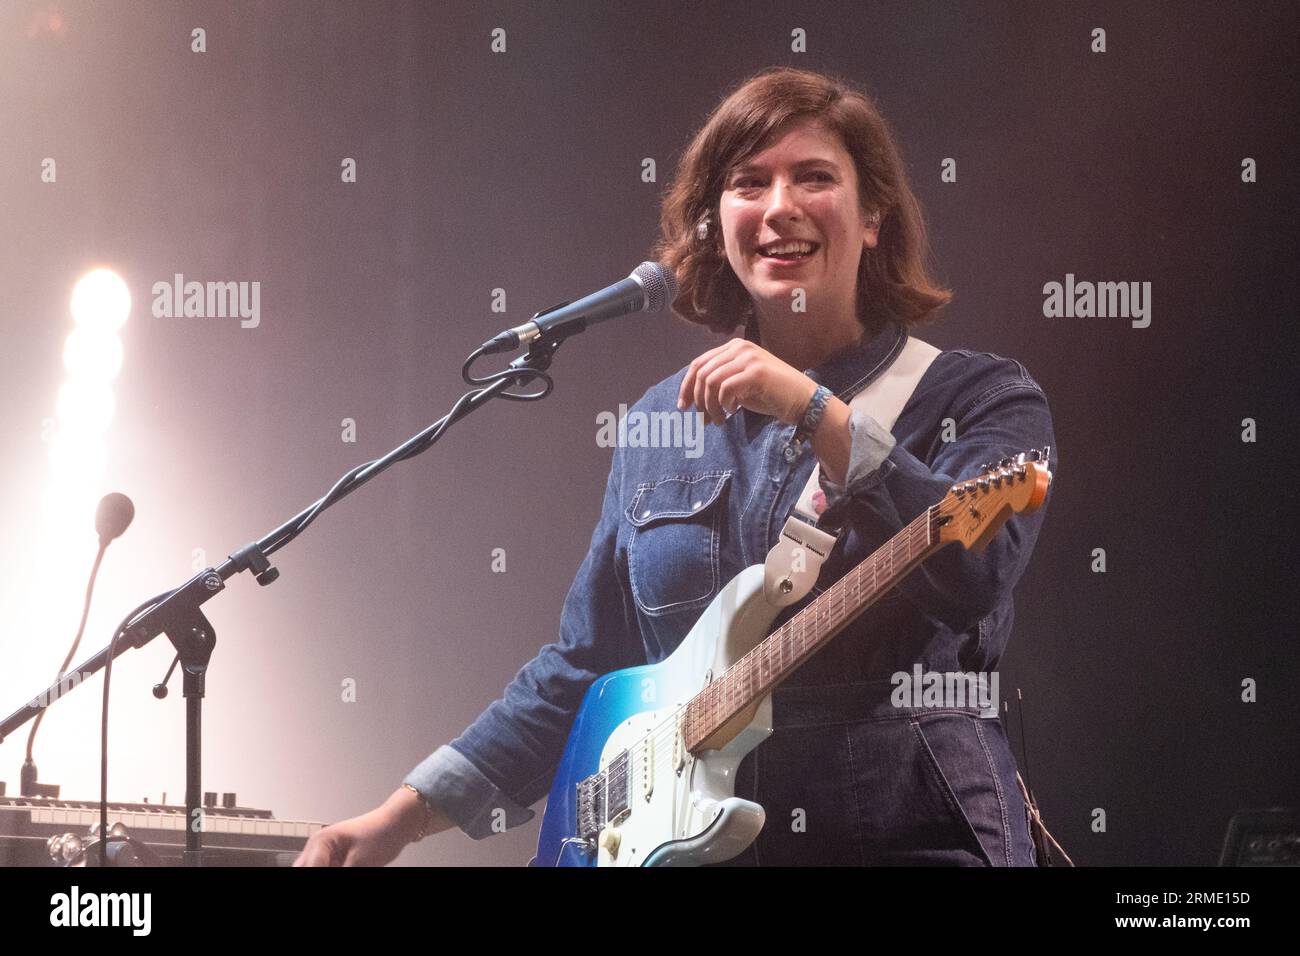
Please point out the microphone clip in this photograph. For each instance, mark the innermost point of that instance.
(252, 558)
(523, 334)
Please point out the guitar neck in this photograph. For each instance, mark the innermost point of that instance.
(782, 651)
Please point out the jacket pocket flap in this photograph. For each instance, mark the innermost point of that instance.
(677, 497)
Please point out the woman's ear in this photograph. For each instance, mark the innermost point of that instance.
(871, 230)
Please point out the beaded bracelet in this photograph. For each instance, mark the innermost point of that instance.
(812, 416)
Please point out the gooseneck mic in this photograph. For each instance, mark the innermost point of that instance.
(649, 288)
(113, 516)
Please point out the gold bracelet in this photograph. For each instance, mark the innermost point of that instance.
(428, 814)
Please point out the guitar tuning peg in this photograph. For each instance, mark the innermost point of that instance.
(1007, 462)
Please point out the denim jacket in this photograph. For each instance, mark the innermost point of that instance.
(678, 523)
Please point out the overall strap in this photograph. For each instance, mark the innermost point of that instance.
(795, 561)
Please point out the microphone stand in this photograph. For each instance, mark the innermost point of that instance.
(176, 613)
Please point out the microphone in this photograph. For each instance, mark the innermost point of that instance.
(113, 516)
(649, 288)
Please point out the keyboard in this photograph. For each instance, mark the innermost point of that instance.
(232, 836)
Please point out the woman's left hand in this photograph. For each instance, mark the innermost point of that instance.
(741, 373)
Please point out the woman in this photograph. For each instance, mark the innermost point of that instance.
(790, 215)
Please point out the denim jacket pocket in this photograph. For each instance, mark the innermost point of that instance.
(672, 554)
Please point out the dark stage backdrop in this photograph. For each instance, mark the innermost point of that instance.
(1158, 693)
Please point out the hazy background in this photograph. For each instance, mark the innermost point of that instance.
(522, 171)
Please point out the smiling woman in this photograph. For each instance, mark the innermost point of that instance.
(794, 229)
(799, 138)
(789, 215)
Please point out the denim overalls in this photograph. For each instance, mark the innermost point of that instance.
(847, 777)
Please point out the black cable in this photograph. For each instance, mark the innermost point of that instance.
(466, 403)
(1024, 742)
(76, 642)
(127, 621)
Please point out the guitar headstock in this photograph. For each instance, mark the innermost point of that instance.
(976, 508)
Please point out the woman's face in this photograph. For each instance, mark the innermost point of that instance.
(804, 186)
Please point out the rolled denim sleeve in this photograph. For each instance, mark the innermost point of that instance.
(869, 446)
(448, 780)
(886, 486)
(485, 779)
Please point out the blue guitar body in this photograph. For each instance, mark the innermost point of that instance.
(626, 792)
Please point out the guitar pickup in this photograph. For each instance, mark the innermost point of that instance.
(648, 767)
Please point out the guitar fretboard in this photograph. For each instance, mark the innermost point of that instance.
(782, 651)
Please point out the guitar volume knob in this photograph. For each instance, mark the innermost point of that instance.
(609, 841)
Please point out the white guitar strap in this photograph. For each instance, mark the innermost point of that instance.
(795, 561)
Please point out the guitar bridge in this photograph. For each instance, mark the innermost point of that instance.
(603, 798)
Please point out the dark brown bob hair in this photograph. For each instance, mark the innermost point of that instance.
(894, 282)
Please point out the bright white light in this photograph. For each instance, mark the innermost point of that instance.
(84, 407)
(101, 301)
(76, 462)
(92, 355)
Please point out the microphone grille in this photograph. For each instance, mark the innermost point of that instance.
(114, 515)
(659, 283)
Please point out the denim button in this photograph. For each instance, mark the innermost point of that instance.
(791, 453)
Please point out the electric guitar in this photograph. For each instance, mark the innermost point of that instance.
(653, 784)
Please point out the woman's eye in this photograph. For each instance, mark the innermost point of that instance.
(750, 183)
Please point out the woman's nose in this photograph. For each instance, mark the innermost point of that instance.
(781, 201)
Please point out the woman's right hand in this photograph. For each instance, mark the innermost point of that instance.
(374, 838)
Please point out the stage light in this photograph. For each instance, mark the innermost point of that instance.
(101, 301)
(92, 354)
